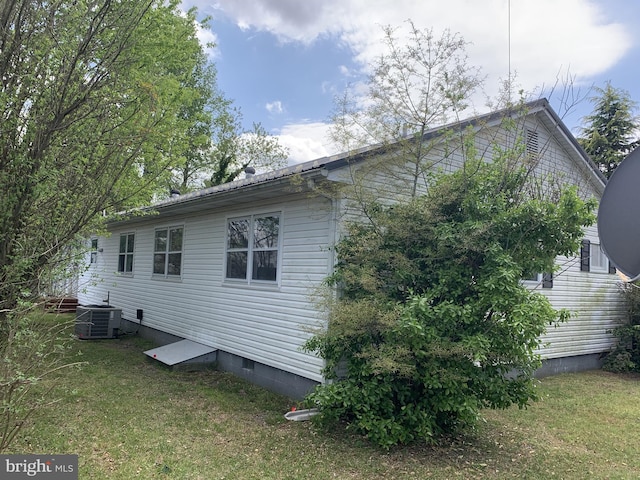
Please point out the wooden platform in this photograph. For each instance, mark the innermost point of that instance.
(61, 305)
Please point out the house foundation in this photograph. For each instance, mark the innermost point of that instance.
(270, 378)
(578, 363)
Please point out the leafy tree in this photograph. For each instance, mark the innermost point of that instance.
(218, 148)
(92, 97)
(236, 149)
(611, 131)
(433, 323)
(412, 88)
(92, 102)
(206, 108)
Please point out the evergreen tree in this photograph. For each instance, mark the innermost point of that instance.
(610, 134)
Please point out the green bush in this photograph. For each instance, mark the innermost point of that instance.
(33, 346)
(433, 322)
(625, 357)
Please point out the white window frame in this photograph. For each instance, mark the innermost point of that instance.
(532, 280)
(167, 252)
(93, 257)
(126, 254)
(543, 280)
(599, 262)
(252, 249)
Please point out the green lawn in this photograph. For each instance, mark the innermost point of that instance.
(128, 417)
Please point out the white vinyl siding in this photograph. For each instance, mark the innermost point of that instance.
(595, 303)
(268, 322)
(592, 298)
(264, 322)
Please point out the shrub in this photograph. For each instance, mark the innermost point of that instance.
(32, 347)
(625, 357)
(433, 322)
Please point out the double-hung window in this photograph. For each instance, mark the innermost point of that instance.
(252, 248)
(545, 280)
(94, 251)
(593, 259)
(125, 255)
(599, 262)
(167, 252)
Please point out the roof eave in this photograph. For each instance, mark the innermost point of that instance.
(258, 188)
(572, 142)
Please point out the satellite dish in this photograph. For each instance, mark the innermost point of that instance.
(619, 217)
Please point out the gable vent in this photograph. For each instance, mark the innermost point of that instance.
(532, 147)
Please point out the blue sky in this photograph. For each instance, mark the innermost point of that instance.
(283, 61)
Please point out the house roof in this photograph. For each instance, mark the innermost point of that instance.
(272, 183)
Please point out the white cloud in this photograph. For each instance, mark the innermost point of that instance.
(537, 40)
(306, 141)
(274, 107)
(289, 20)
(345, 71)
(546, 35)
(206, 36)
(208, 40)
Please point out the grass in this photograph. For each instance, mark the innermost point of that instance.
(128, 417)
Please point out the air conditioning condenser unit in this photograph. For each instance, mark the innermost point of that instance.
(97, 321)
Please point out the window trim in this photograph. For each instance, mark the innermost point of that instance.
(126, 254)
(536, 280)
(251, 249)
(93, 250)
(586, 265)
(604, 268)
(544, 279)
(165, 274)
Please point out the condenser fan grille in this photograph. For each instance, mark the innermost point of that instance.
(97, 321)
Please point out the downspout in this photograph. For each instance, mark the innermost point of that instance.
(333, 235)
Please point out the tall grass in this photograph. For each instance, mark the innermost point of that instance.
(128, 417)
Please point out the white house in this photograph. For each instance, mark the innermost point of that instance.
(233, 267)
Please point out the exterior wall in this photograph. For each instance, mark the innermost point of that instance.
(594, 300)
(274, 379)
(264, 323)
(267, 324)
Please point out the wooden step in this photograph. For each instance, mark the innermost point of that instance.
(61, 305)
